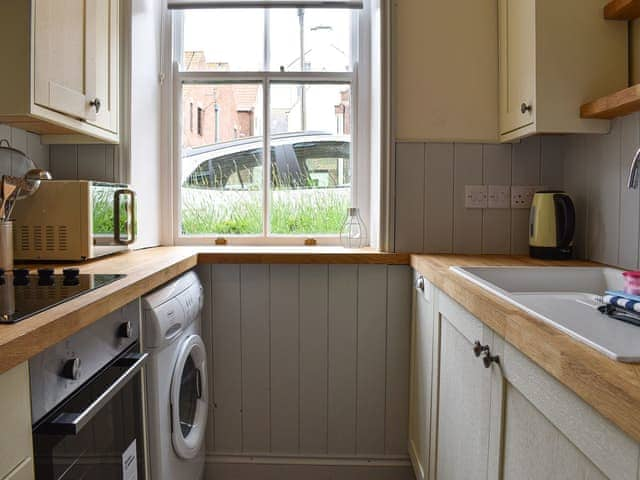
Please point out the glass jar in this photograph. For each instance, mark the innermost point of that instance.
(354, 231)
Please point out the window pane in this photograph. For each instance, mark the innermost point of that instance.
(223, 40)
(326, 38)
(310, 158)
(222, 159)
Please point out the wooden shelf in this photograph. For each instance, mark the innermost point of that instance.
(622, 10)
(615, 105)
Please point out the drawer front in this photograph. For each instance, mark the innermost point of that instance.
(15, 435)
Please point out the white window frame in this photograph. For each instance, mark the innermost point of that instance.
(359, 80)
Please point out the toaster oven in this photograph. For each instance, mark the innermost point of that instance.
(74, 220)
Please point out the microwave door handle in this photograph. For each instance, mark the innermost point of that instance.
(131, 221)
(72, 423)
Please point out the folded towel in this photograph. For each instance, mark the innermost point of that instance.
(623, 294)
(622, 302)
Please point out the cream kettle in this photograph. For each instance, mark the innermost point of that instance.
(552, 223)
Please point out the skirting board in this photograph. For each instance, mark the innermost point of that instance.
(285, 468)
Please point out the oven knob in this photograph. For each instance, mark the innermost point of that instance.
(125, 330)
(71, 369)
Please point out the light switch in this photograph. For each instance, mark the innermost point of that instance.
(499, 196)
(475, 196)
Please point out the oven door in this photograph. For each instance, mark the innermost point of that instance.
(113, 215)
(97, 433)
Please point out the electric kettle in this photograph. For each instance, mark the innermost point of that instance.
(552, 222)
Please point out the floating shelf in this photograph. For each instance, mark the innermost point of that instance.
(622, 10)
(615, 105)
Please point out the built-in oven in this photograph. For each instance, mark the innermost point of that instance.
(87, 403)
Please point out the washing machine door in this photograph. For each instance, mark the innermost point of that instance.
(189, 398)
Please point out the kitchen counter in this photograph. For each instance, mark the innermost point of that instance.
(146, 270)
(612, 388)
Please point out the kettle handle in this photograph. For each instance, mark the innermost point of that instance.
(566, 229)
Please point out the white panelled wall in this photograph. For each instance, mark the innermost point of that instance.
(27, 142)
(310, 366)
(429, 197)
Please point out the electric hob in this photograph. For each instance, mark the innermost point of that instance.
(24, 294)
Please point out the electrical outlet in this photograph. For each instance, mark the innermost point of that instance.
(522, 196)
(498, 196)
(475, 196)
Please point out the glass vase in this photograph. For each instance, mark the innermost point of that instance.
(354, 231)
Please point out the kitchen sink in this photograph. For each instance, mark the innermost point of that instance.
(566, 298)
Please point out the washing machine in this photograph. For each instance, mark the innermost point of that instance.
(176, 378)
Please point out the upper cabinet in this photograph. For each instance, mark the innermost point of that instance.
(445, 70)
(555, 56)
(64, 79)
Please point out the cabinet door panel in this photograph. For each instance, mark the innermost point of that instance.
(421, 376)
(15, 435)
(59, 50)
(517, 63)
(464, 408)
(530, 437)
(101, 60)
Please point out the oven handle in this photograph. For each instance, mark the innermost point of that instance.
(131, 223)
(72, 423)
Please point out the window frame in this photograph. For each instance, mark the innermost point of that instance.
(360, 190)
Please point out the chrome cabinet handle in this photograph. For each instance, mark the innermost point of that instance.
(420, 283)
(485, 352)
(96, 103)
(524, 108)
(479, 349)
(488, 359)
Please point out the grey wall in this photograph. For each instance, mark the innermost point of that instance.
(596, 169)
(308, 361)
(85, 162)
(430, 181)
(29, 143)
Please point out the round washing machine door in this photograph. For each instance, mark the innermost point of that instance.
(189, 397)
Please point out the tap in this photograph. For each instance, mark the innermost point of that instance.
(632, 183)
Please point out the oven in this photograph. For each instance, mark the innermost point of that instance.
(87, 403)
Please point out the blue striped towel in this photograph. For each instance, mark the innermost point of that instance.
(624, 300)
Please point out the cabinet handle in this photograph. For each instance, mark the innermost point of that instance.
(420, 283)
(524, 108)
(96, 103)
(479, 349)
(488, 359)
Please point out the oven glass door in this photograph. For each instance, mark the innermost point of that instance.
(98, 433)
(113, 214)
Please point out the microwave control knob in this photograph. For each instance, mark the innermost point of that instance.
(125, 330)
(71, 369)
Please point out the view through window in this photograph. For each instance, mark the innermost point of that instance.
(278, 81)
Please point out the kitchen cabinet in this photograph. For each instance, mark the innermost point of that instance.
(554, 57)
(16, 451)
(422, 336)
(445, 70)
(64, 55)
(509, 419)
(467, 444)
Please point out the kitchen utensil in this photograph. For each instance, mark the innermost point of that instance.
(551, 225)
(27, 186)
(7, 189)
(20, 163)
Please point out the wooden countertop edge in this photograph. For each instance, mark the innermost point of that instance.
(611, 388)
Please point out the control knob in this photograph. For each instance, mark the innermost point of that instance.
(71, 369)
(125, 330)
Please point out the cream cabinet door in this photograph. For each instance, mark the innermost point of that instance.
(59, 78)
(101, 62)
(421, 377)
(517, 64)
(15, 434)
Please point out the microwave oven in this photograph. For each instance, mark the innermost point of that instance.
(74, 220)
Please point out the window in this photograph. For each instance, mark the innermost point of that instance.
(274, 155)
(191, 116)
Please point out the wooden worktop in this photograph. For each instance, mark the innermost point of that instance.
(146, 270)
(612, 388)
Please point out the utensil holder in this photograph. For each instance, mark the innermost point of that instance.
(6, 245)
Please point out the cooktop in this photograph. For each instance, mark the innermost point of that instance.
(24, 294)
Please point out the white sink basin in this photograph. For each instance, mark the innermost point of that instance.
(567, 298)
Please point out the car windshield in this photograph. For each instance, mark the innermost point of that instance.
(297, 161)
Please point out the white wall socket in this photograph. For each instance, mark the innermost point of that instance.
(475, 196)
(522, 196)
(498, 196)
